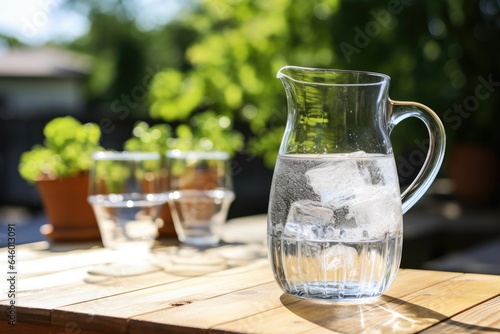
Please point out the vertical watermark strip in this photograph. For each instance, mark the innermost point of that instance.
(11, 274)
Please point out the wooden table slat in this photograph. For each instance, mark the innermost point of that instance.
(424, 308)
(173, 318)
(56, 293)
(49, 261)
(486, 314)
(210, 312)
(430, 304)
(113, 312)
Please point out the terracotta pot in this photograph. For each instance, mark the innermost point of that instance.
(200, 180)
(70, 216)
(203, 180)
(197, 208)
(474, 172)
(150, 185)
(167, 230)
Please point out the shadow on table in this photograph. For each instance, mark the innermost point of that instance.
(383, 315)
(189, 261)
(67, 246)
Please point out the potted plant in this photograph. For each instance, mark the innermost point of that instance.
(59, 168)
(206, 131)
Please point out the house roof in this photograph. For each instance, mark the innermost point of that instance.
(43, 62)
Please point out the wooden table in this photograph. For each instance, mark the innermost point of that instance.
(229, 289)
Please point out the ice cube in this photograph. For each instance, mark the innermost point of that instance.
(379, 171)
(371, 172)
(337, 183)
(389, 171)
(308, 220)
(339, 256)
(377, 214)
(344, 222)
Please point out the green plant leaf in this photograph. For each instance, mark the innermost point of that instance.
(68, 150)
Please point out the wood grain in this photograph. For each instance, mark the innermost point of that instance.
(56, 294)
(483, 318)
(315, 317)
(420, 309)
(112, 313)
(22, 328)
(199, 315)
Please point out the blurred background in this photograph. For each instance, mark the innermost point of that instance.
(116, 63)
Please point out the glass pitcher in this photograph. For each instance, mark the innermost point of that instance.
(335, 211)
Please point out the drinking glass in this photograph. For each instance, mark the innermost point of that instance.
(126, 195)
(200, 193)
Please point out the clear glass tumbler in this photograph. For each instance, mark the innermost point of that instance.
(126, 195)
(200, 194)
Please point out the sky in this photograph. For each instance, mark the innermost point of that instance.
(36, 22)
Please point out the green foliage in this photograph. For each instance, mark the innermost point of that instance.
(269, 139)
(223, 55)
(240, 45)
(149, 138)
(113, 174)
(124, 52)
(68, 150)
(175, 97)
(211, 132)
(206, 131)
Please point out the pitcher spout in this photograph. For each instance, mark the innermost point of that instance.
(284, 72)
(296, 74)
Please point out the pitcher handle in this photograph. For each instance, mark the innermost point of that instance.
(400, 110)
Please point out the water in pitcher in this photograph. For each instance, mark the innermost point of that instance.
(335, 224)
